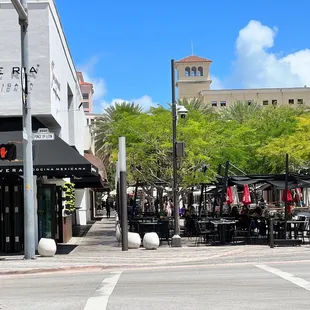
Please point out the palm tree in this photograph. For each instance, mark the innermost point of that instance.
(102, 127)
(240, 111)
(196, 104)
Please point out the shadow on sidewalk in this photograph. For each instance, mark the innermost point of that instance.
(101, 234)
(63, 249)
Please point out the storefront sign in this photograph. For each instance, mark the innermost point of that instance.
(44, 170)
(10, 78)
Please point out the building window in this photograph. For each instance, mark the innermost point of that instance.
(85, 96)
(214, 103)
(291, 101)
(223, 103)
(300, 101)
(200, 71)
(274, 102)
(86, 105)
(249, 102)
(265, 102)
(187, 71)
(193, 72)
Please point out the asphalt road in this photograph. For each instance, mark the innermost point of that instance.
(281, 285)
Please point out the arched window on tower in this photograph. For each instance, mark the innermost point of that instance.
(187, 71)
(194, 71)
(200, 71)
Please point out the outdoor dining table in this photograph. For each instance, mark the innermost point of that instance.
(149, 227)
(295, 227)
(221, 225)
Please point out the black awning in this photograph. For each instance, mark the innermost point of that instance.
(94, 182)
(53, 158)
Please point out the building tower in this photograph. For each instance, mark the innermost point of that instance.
(193, 76)
(87, 93)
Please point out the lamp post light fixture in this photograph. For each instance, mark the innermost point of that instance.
(176, 240)
(21, 8)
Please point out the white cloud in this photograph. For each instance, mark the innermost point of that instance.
(98, 82)
(216, 83)
(100, 89)
(257, 66)
(145, 102)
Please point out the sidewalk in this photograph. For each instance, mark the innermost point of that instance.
(98, 249)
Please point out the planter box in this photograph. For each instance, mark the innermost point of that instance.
(67, 228)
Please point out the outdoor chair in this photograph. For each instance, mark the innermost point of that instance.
(241, 233)
(202, 233)
(301, 230)
(163, 231)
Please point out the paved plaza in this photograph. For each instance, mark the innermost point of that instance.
(99, 250)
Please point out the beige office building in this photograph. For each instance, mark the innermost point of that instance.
(194, 82)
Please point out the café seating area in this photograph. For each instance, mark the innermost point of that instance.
(225, 230)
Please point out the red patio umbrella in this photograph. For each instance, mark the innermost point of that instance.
(229, 195)
(246, 197)
(287, 196)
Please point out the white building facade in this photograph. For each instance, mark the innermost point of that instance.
(54, 86)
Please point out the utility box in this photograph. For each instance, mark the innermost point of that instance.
(180, 149)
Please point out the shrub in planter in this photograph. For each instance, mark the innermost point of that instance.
(69, 198)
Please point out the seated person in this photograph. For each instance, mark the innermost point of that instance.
(234, 213)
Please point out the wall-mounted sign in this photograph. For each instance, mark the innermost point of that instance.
(11, 81)
(49, 170)
(55, 82)
(43, 134)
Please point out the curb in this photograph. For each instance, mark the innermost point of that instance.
(107, 267)
(58, 270)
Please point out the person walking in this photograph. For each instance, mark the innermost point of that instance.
(109, 202)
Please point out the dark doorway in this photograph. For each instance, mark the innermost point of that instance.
(46, 196)
(11, 215)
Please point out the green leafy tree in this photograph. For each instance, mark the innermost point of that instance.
(104, 126)
(296, 144)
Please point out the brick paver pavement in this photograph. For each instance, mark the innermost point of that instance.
(99, 249)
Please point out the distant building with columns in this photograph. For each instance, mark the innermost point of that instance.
(193, 81)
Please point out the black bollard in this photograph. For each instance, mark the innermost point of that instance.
(271, 237)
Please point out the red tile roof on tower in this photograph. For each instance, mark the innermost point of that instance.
(85, 83)
(193, 59)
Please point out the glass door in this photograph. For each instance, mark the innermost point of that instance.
(46, 196)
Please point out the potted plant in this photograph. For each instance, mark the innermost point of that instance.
(69, 198)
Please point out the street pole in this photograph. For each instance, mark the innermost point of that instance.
(176, 240)
(29, 216)
(123, 191)
(285, 196)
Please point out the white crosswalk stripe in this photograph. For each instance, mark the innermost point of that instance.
(286, 276)
(101, 297)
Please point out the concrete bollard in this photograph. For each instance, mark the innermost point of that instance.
(134, 240)
(47, 247)
(151, 241)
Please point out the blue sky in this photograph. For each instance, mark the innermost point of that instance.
(125, 47)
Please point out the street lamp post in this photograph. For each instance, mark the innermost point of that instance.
(176, 240)
(21, 8)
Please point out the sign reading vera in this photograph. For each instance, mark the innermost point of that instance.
(10, 78)
(43, 134)
(7, 151)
